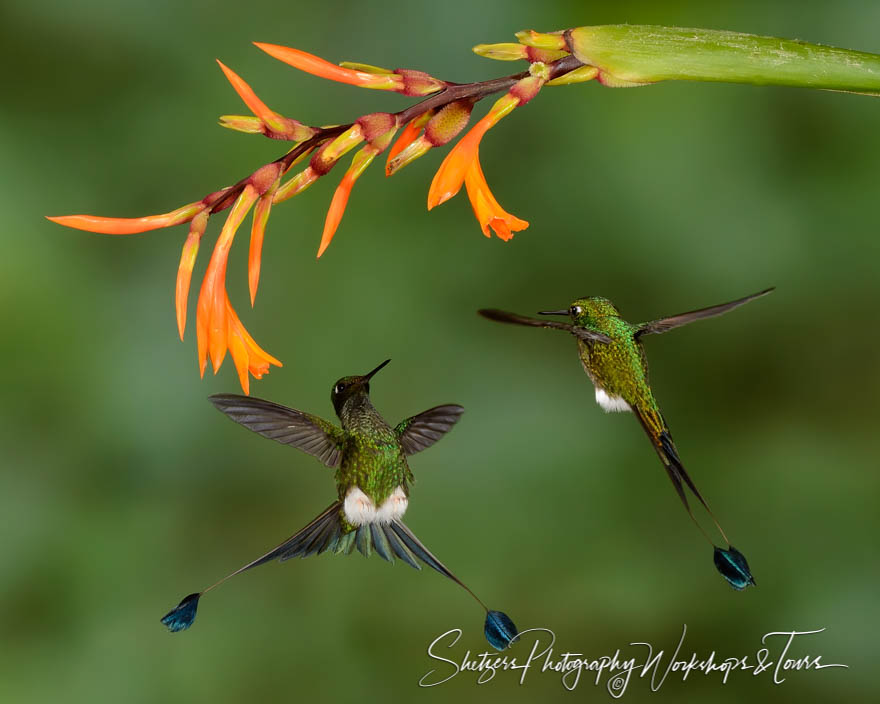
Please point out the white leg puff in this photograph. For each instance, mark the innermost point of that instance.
(393, 507)
(611, 404)
(358, 508)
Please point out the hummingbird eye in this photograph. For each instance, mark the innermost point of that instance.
(576, 310)
(339, 388)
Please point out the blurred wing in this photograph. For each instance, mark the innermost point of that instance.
(423, 430)
(591, 335)
(675, 321)
(288, 426)
(502, 316)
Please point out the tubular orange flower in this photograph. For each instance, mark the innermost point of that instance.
(450, 176)
(130, 226)
(360, 162)
(412, 130)
(258, 231)
(319, 67)
(211, 323)
(487, 210)
(279, 125)
(187, 262)
(246, 93)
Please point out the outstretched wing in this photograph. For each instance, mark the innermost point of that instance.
(423, 430)
(288, 426)
(656, 327)
(502, 316)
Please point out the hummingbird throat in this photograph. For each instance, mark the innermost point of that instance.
(360, 510)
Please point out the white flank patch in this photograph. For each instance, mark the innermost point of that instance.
(611, 404)
(393, 508)
(358, 508)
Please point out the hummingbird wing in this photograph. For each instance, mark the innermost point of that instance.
(502, 316)
(661, 325)
(420, 432)
(288, 426)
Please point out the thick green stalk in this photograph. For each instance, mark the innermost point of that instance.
(638, 54)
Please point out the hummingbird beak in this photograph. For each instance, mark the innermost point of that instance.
(369, 376)
(552, 312)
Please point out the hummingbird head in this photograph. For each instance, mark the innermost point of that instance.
(349, 387)
(587, 311)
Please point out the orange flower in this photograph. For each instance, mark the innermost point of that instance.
(319, 67)
(412, 130)
(258, 231)
(277, 124)
(489, 213)
(185, 269)
(246, 354)
(360, 162)
(462, 166)
(130, 226)
(450, 176)
(211, 324)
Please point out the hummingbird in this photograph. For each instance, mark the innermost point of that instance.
(612, 355)
(372, 482)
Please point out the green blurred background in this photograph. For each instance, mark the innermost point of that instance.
(121, 488)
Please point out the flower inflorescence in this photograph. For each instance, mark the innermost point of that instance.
(435, 121)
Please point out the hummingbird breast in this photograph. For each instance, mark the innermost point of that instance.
(373, 477)
(617, 371)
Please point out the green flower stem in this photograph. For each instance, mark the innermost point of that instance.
(639, 54)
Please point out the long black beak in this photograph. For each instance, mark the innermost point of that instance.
(369, 376)
(552, 312)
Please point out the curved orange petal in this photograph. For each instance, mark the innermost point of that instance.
(360, 162)
(335, 211)
(259, 357)
(246, 93)
(410, 132)
(449, 177)
(487, 210)
(185, 269)
(129, 226)
(247, 355)
(258, 231)
(319, 67)
(239, 354)
(211, 314)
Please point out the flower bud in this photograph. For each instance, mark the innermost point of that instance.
(418, 83)
(448, 122)
(541, 40)
(579, 75)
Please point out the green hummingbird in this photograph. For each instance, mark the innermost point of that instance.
(611, 352)
(372, 481)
